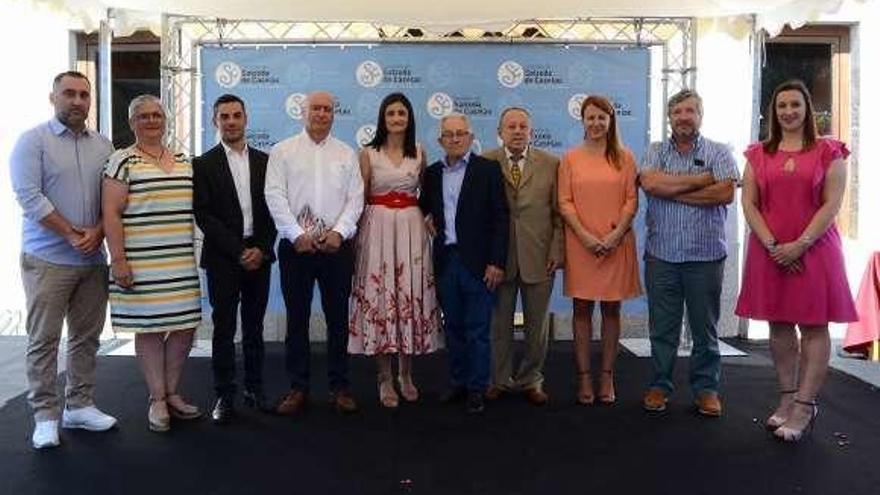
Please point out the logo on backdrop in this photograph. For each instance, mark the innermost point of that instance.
(294, 105)
(439, 105)
(227, 74)
(542, 137)
(365, 134)
(510, 74)
(472, 106)
(260, 139)
(622, 107)
(369, 74)
(574, 105)
(400, 74)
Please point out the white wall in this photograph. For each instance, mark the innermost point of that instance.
(724, 80)
(36, 47)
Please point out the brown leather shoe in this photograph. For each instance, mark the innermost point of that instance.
(708, 404)
(494, 392)
(655, 400)
(343, 401)
(292, 404)
(536, 396)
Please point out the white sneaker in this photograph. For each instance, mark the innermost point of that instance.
(45, 434)
(88, 418)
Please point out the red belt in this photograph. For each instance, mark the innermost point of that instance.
(393, 199)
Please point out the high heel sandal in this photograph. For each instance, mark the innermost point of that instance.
(787, 434)
(775, 421)
(158, 422)
(606, 394)
(585, 396)
(387, 395)
(407, 388)
(179, 409)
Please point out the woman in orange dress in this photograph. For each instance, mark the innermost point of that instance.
(598, 200)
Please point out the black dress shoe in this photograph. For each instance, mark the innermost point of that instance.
(475, 403)
(255, 399)
(223, 412)
(454, 395)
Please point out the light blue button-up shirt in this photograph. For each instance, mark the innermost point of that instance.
(55, 169)
(453, 178)
(679, 232)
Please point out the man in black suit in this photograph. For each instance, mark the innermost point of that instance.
(237, 253)
(465, 207)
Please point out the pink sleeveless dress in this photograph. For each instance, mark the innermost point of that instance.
(788, 201)
(393, 306)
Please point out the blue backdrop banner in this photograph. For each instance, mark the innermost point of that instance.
(476, 79)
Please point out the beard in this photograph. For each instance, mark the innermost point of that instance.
(72, 117)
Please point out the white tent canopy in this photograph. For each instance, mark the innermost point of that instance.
(132, 14)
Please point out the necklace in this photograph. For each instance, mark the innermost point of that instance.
(157, 159)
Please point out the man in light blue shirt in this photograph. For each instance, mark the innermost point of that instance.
(689, 180)
(463, 199)
(56, 175)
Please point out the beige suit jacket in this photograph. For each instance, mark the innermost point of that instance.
(535, 225)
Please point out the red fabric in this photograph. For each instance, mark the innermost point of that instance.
(861, 334)
(394, 199)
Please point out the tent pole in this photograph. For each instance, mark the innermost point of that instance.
(105, 76)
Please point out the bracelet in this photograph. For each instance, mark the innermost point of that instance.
(806, 241)
(770, 245)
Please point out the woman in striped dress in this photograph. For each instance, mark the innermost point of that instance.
(154, 287)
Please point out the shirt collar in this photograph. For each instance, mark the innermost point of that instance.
(463, 161)
(507, 152)
(58, 128)
(308, 139)
(698, 143)
(230, 151)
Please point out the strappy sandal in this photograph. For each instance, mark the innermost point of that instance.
(775, 421)
(585, 396)
(158, 422)
(387, 395)
(407, 388)
(606, 388)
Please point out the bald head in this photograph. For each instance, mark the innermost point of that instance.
(319, 107)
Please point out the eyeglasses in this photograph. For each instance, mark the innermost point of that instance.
(144, 117)
(456, 134)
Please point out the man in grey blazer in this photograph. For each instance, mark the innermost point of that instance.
(535, 252)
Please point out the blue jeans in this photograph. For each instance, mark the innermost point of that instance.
(671, 287)
(467, 316)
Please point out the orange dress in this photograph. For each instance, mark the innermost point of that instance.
(599, 194)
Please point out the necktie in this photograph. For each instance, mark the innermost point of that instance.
(515, 171)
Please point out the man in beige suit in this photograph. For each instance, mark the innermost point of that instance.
(535, 252)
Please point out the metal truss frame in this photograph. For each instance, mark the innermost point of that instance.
(182, 37)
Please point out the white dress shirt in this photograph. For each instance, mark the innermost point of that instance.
(314, 187)
(522, 158)
(240, 166)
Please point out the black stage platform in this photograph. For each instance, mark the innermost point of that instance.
(432, 448)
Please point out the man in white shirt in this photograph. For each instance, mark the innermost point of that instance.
(228, 184)
(315, 194)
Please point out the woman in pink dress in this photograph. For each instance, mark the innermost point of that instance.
(598, 200)
(794, 271)
(393, 301)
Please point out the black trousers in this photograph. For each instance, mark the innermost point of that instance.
(299, 272)
(229, 284)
